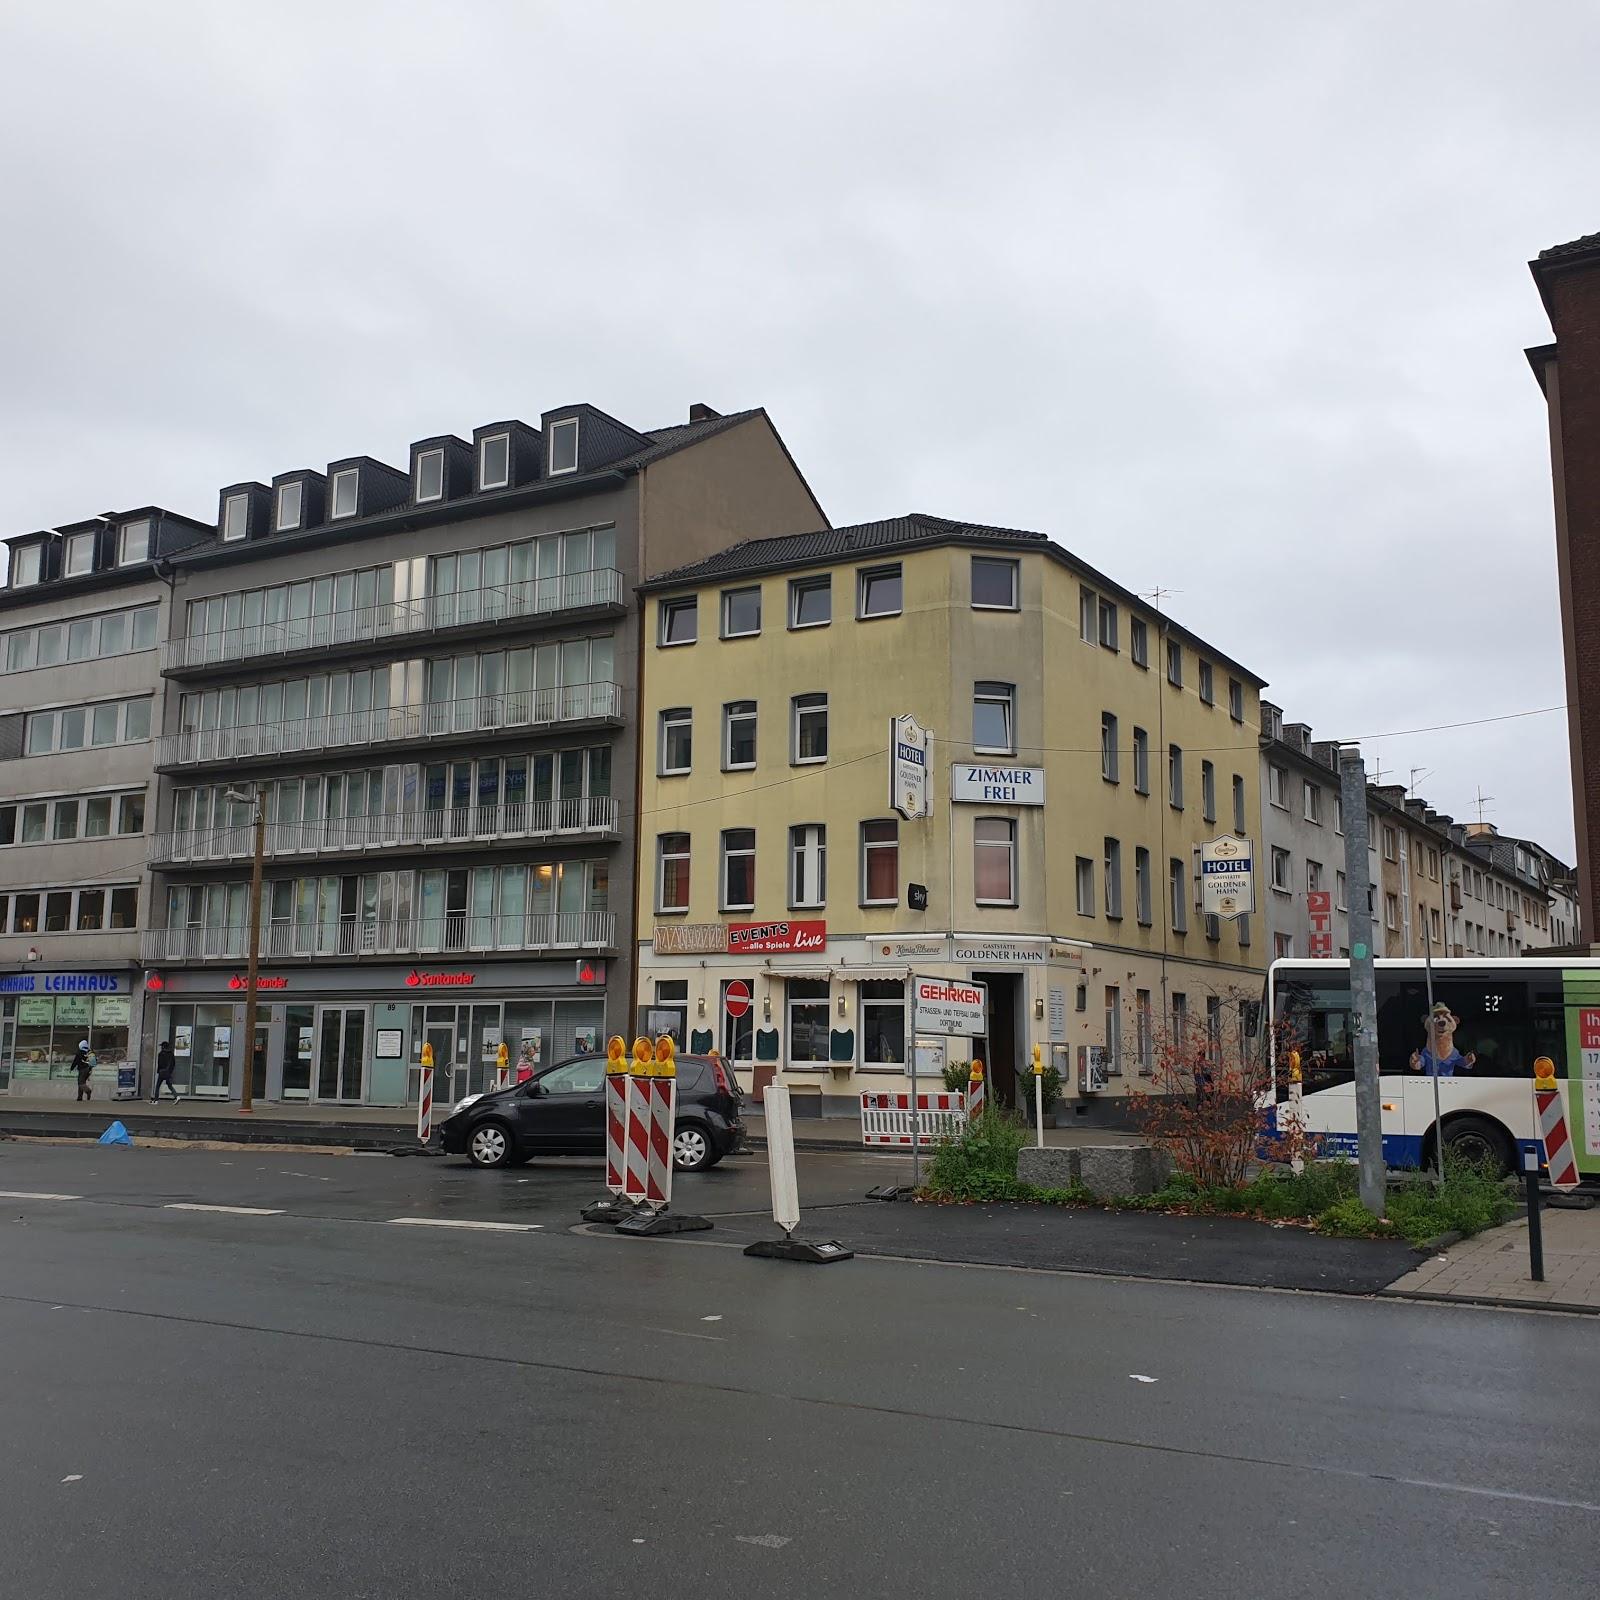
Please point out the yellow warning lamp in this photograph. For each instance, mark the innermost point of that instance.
(1038, 1062)
(427, 1055)
(666, 1060)
(1544, 1073)
(1294, 1066)
(976, 1075)
(616, 1055)
(643, 1057)
(502, 1056)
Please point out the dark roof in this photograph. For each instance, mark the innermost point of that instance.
(1588, 245)
(917, 530)
(663, 441)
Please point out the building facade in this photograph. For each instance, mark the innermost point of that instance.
(1082, 747)
(428, 678)
(1302, 843)
(82, 616)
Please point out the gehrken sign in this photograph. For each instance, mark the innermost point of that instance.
(949, 1005)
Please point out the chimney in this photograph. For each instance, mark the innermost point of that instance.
(700, 412)
(1297, 734)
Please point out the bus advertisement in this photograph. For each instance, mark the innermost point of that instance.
(1476, 1044)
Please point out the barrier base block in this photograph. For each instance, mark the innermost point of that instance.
(800, 1250)
(651, 1224)
(612, 1209)
(892, 1191)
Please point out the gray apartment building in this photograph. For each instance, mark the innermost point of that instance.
(1302, 841)
(429, 676)
(82, 615)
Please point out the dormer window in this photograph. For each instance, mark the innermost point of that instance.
(290, 496)
(25, 567)
(235, 516)
(494, 461)
(345, 485)
(80, 555)
(430, 475)
(564, 446)
(133, 542)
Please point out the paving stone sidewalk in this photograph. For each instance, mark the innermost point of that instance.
(1493, 1266)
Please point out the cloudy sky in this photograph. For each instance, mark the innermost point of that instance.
(1230, 299)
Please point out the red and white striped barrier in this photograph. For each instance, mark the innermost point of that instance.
(616, 1128)
(1557, 1141)
(425, 1106)
(976, 1096)
(663, 1094)
(636, 1137)
(886, 1119)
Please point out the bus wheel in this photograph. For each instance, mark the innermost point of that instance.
(1478, 1140)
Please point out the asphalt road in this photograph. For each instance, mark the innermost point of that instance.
(327, 1403)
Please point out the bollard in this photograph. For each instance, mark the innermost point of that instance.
(786, 1190)
(502, 1066)
(1530, 1178)
(614, 1207)
(653, 1143)
(1038, 1095)
(425, 1098)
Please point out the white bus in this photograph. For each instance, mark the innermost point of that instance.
(1491, 1021)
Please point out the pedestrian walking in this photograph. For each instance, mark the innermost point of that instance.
(165, 1063)
(83, 1065)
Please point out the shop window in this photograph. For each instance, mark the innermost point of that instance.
(883, 1022)
(808, 1018)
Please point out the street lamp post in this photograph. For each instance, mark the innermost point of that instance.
(247, 1092)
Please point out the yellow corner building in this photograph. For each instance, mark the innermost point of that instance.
(1079, 748)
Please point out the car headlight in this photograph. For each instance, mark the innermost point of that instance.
(465, 1101)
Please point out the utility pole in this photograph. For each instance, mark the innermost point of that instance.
(1363, 978)
(247, 1092)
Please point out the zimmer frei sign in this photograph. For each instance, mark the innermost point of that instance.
(949, 1005)
(984, 784)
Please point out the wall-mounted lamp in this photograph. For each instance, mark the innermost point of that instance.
(702, 1005)
(1038, 1005)
(841, 1005)
(766, 1007)
(33, 954)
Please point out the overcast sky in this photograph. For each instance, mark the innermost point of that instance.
(1229, 299)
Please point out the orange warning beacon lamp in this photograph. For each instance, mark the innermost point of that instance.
(666, 1057)
(616, 1055)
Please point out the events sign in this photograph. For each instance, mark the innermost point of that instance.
(776, 938)
(949, 1005)
(1227, 877)
(910, 781)
(981, 784)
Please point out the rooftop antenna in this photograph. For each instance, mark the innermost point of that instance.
(1482, 800)
(1158, 594)
(1417, 775)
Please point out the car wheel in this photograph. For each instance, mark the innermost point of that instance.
(1477, 1139)
(489, 1145)
(691, 1148)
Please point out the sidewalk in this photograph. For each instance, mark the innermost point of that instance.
(1492, 1267)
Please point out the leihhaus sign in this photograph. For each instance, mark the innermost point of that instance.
(945, 1005)
(773, 938)
(63, 983)
(982, 785)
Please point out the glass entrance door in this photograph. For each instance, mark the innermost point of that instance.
(8, 1030)
(441, 1034)
(341, 1052)
(299, 1034)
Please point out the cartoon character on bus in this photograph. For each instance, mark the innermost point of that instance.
(1439, 1056)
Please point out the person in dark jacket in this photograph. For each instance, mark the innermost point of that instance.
(165, 1063)
(83, 1065)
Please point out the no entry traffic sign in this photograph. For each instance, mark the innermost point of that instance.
(737, 998)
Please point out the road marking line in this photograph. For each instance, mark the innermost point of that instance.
(30, 1194)
(232, 1211)
(451, 1222)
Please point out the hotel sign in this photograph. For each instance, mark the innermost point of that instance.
(910, 784)
(977, 783)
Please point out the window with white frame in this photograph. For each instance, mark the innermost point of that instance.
(1139, 642)
(93, 816)
(87, 727)
(1175, 777)
(809, 1022)
(1340, 894)
(235, 517)
(1141, 761)
(1175, 663)
(994, 718)
(994, 861)
(563, 446)
(1391, 845)
(880, 863)
(1391, 911)
(290, 498)
(1113, 871)
(808, 866)
(346, 484)
(1235, 699)
(494, 461)
(1313, 876)
(69, 910)
(133, 542)
(1238, 804)
(741, 612)
(80, 555)
(430, 476)
(1084, 877)
(676, 741)
(808, 729)
(672, 874)
(738, 869)
(1277, 786)
(810, 602)
(1208, 693)
(1313, 802)
(1208, 791)
(738, 735)
(111, 633)
(883, 1022)
(1108, 624)
(1280, 869)
(680, 620)
(994, 584)
(1177, 895)
(1142, 892)
(1282, 946)
(1108, 747)
(878, 592)
(25, 566)
(1088, 615)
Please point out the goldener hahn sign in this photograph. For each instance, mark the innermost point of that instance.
(949, 1005)
(910, 791)
(1227, 877)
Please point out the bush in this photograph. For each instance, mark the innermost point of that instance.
(1349, 1219)
(956, 1074)
(982, 1163)
(1474, 1197)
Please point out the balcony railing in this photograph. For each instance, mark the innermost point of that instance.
(397, 619)
(532, 819)
(462, 934)
(341, 730)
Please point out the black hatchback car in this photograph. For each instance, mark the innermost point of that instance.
(562, 1112)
